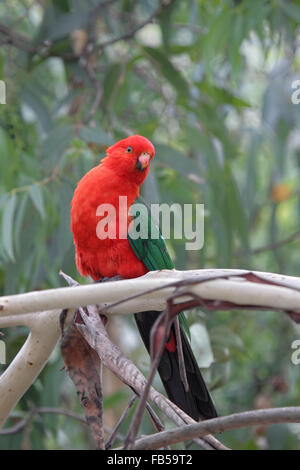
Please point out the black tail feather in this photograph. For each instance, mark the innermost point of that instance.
(197, 402)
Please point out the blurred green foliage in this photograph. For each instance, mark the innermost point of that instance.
(210, 83)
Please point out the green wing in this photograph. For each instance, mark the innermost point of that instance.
(150, 247)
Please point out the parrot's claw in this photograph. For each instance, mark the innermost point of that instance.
(107, 279)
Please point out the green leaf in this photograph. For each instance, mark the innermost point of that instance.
(222, 95)
(166, 21)
(50, 395)
(3, 199)
(251, 184)
(176, 160)
(213, 123)
(114, 399)
(238, 32)
(19, 219)
(235, 210)
(223, 337)
(291, 10)
(57, 25)
(110, 84)
(216, 40)
(150, 190)
(36, 195)
(95, 135)
(35, 101)
(7, 226)
(63, 236)
(7, 159)
(168, 70)
(56, 143)
(63, 5)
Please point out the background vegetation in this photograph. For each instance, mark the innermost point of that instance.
(210, 83)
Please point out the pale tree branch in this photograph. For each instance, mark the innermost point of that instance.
(241, 288)
(218, 425)
(217, 289)
(29, 362)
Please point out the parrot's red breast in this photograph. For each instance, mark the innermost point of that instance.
(120, 173)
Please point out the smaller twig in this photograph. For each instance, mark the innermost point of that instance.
(130, 34)
(182, 369)
(92, 23)
(191, 26)
(19, 426)
(95, 105)
(69, 280)
(54, 174)
(154, 418)
(113, 435)
(17, 40)
(64, 313)
(137, 418)
(272, 246)
(104, 3)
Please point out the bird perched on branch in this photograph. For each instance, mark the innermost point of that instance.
(106, 248)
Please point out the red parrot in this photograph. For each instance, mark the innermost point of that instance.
(121, 173)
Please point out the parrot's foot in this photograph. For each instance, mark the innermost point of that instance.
(107, 279)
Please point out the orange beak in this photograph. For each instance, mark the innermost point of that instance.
(143, 161)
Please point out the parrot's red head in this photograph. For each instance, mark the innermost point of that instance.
(131, 157)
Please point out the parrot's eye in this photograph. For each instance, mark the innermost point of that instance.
(129, 149)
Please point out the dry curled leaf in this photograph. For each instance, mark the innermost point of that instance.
(84, 368)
